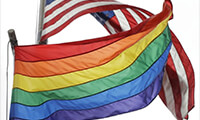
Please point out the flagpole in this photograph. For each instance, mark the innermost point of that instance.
(40, 19)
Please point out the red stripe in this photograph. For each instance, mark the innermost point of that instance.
(131, 20)
(115, 24)
(56, 7)
(174, 81)
(188, 69)
(41, 53)
(96, 9)
(162, 96)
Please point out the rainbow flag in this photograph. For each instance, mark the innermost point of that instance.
(93, 78)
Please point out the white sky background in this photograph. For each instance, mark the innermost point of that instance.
(21, 16)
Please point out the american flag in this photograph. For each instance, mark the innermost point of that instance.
(59, 13)
(177, 91)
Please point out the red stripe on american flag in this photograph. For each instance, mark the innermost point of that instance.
(162, 94)
(115, 23)
(129, 17)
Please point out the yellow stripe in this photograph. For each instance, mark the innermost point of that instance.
(121, 62)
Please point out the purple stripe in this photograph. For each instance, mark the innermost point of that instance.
(131, 104)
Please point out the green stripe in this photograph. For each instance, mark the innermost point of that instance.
(142, 64)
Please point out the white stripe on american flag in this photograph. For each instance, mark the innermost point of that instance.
(147, 16)
(54, 3)
(110, 28)
(135, 16)
(124, 24)
(61, 9)
(168, 93)
(70, 14)
(182, 80)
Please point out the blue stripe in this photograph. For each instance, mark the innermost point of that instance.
(102, 17)
(49, 2)
(107, 97)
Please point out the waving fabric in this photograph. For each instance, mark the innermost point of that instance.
(99, 77)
